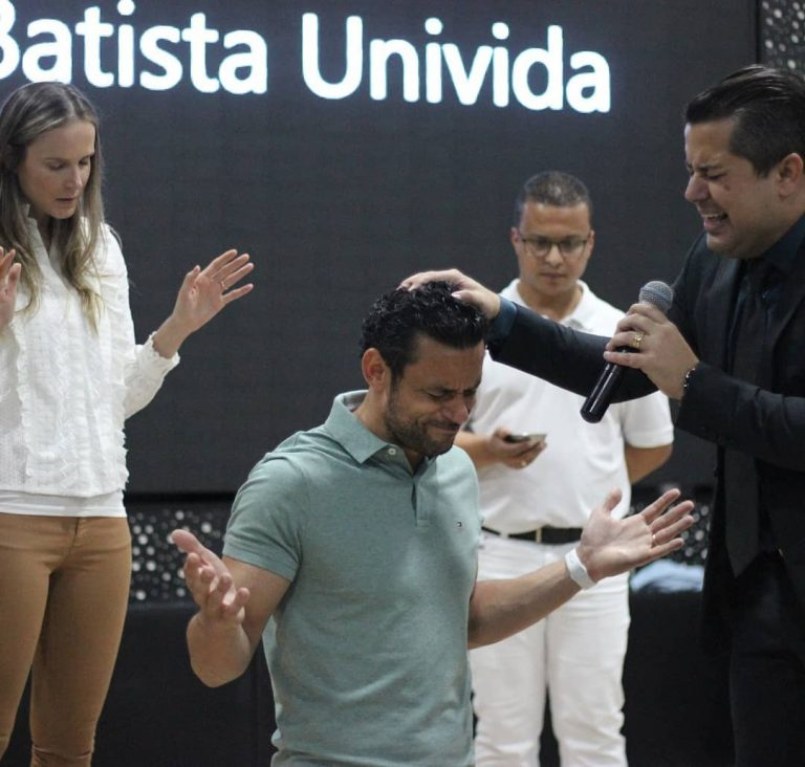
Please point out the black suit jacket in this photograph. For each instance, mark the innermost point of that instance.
(763, 421)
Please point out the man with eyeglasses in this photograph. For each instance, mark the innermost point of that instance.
(540, 469)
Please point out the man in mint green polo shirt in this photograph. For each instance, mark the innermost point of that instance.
(352, 552)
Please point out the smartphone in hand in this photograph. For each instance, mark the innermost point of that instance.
(532, 438)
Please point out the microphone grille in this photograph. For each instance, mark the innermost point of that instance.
(657, 294)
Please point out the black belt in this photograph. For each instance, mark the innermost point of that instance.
(550, 535)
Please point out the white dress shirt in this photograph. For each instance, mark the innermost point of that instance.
(66, 389)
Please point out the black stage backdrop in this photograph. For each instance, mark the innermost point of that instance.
(347, 144)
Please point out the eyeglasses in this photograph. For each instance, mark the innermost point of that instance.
(539, 247)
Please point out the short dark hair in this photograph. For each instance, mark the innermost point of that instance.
(768, 106)
(398, 318)
(554, 188)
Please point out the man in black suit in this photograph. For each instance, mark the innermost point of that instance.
(732, 352)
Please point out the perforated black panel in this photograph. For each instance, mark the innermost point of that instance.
(782, 34)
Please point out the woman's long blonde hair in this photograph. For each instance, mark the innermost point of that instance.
(26, 114)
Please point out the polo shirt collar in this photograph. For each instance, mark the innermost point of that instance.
(348, 431)
(362, 444)
(345, 427)
(581, 318)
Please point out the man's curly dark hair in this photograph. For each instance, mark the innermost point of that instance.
(398, 318)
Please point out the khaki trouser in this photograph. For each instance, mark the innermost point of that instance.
(64, 585)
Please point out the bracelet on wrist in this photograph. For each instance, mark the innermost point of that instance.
(577, 571)
(687, 379)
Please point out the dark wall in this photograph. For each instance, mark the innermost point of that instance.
(338, 199)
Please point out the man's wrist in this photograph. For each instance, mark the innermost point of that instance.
(577, 571)
(686, 381)
(501, 324)
(215, 626)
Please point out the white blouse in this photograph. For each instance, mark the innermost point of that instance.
(67, 388)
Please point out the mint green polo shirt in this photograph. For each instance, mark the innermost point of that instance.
(368, 649)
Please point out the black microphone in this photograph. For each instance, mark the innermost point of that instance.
(655, 293)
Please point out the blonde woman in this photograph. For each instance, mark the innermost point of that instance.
(70, 374)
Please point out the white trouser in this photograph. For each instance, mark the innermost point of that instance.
(577, 653)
